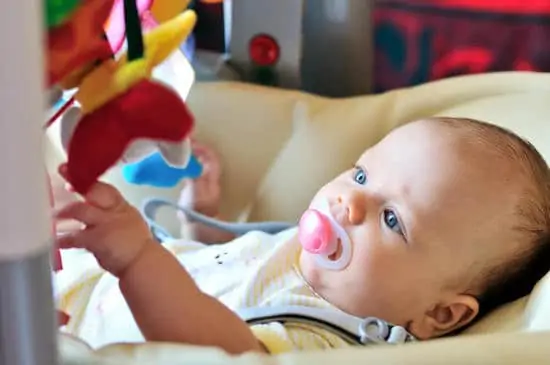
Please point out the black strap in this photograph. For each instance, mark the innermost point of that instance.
(354, 330)
(134, 34)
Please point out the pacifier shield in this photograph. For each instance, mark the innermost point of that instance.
(324, 238)
(315, 233)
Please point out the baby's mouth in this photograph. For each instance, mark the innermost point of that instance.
(324, 238)
(338, 253)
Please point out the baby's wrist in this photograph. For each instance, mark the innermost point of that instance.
(147, 248)
(208, 207)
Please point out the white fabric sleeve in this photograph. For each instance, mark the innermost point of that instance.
(279, 338)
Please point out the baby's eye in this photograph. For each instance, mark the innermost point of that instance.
(391, 220)
(360, 176)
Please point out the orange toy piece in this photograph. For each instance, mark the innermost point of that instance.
(76, 44)
(164, 10)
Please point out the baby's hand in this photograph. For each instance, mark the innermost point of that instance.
(114, 231)
(203, 194)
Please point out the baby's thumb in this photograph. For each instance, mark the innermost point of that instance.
(104, 196)
(101, 195)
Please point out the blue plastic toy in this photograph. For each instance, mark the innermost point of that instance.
(154, 171)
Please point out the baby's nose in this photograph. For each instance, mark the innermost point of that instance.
(355, 205)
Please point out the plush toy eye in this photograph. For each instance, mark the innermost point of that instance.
(360, 176)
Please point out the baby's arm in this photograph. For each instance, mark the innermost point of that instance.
(168, 306)
(203, 195)
(166, 303)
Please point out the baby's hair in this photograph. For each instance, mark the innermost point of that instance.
(516, 277)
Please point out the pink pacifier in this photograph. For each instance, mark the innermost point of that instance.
(315, 233)
(322, 236)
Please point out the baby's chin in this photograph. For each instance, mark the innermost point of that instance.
(310, 271)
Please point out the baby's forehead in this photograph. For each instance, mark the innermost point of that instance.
(453, 138)
(430, 166)
(419, 138)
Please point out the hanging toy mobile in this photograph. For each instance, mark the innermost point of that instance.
(123, 115)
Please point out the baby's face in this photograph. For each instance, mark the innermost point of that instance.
(424, 214)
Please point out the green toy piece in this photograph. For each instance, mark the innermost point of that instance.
(57, 11)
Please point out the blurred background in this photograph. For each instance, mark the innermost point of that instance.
(351, 47)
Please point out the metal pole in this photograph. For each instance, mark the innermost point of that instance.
(27, 321)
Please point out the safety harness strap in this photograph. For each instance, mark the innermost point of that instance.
(355, 330)
(150, 208)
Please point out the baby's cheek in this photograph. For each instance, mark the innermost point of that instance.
(318, 197)
(375, 262)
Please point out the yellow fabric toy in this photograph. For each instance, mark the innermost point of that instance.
(114, 77)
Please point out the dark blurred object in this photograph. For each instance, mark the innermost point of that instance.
(417, 41)
(337, 47)
(209, 31)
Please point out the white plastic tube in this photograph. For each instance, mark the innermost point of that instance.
(27, 321)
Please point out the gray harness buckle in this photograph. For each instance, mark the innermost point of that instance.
(354, 330)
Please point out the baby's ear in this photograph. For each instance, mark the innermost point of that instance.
(446, 317)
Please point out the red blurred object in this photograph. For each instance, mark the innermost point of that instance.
(57, 264)
(422, 41)
(148, 110)
(62, 318)
(78, 42)
(264, 50)
(502, 6)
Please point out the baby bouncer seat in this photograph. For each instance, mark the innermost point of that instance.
(275, 131)
(291, 127)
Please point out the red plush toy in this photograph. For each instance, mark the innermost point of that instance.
(148, 110)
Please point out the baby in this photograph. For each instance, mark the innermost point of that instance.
(445, 219)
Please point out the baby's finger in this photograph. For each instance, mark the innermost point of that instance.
(84, 238)
(63, 170)
(67, 226)
(69, 188)
(82, 212)
(68, 240)
(104, 196)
